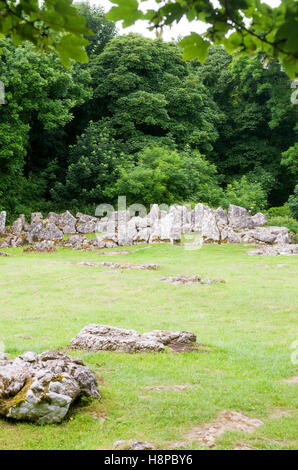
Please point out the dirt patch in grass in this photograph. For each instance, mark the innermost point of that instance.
(115, 253)
(291, 380)
(168, 388)
(242, 446)
(206, 434)
(279, 413)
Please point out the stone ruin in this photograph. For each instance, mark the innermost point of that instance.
(201, 225)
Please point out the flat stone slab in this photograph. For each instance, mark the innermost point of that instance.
(109, 338)
(275, 250)
(152, 267)
(181, 279)
(41, 388)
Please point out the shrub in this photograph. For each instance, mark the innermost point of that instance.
(293, 203)
(161, 175)
(281, 211)
(246, 194)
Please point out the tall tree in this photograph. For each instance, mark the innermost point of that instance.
(40, 94)
(147, 91)
(245, 26)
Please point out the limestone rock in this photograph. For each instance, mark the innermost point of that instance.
(258, 220)
(44, 231)
(86, 223)
(269, 235)
(41, 388)
(2, 253)
(130, 444)
(205, 223)
(45, 246)
(108, 338)
(275, 250)
(18, 225)
(36, 217)
(239, 217)
(2, 222)
(65, 222)
(76, 242)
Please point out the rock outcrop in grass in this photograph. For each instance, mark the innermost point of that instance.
(42, 388)
(109, 338)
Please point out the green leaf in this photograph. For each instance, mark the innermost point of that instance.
(127, 10)
(194, 46)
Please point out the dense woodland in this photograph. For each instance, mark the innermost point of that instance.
(139, 121)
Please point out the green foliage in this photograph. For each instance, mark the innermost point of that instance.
(103, 30)
(246, 194)
(54, 25)
(285, 221)
(40, 94)
(161, 175)
(282, 211)
(244, 26)
(290, 159)
(258, 122)
(93, 167)
(293, 203)
(147, 91)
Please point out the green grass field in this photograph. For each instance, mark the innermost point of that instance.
(249, 324)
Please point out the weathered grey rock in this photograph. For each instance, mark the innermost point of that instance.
(275, 250)
(16, 241)
(2, 253)
(3, 356)
(44, 230)
(258, 220)
(65, 222)
(269, 235)
(18, 225)
(221, 217)
(88, 227)
(45, 246)
(2, 222)
(86, 223)
(142, 235)
(130, 444)
(239, 217)
(36, 217)
(41, 388)
(196, 279)
(205, 223)
(150, 267)
(53, 218)
(228, 235)
(127, 231)
(108, 338)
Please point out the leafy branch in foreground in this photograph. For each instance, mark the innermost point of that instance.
(56, 25)
(242, 26)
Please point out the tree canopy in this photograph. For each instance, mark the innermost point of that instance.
(243, 26)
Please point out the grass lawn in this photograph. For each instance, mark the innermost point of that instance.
(249, 324)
